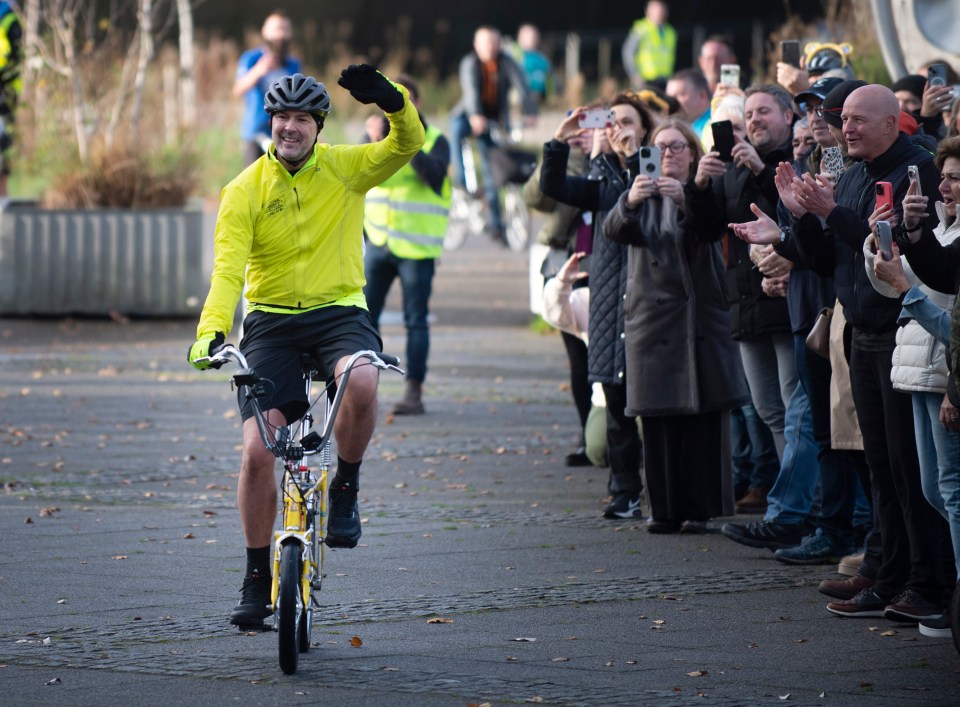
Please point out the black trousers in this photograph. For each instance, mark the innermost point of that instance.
(911, 531)
(683, 464)
(624, 448)
(579, 383)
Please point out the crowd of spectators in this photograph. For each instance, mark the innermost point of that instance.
(735, 292)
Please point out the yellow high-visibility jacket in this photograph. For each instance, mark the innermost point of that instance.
(297, 240)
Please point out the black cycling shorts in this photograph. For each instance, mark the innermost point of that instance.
(274, 343)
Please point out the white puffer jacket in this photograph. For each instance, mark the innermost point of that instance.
(919, 360)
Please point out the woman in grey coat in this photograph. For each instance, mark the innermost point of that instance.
(684, 368)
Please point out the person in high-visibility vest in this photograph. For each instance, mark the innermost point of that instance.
(405, 220)
(650, 49)
(11, 56)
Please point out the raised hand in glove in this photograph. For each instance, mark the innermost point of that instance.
(204, 346)
(368, 85)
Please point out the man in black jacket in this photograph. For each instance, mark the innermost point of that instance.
(830, 230)
(721, 193)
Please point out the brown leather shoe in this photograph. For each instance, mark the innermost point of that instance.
(845, 588)
(754, 501)
(412, 402)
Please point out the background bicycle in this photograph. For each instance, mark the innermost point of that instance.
(509, 167)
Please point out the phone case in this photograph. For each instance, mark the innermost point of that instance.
(790, 52)
(833, 161)
(884, 194)
(913, 174)
(885, 239)
(723, 139)
(595, 119)
(650, 161)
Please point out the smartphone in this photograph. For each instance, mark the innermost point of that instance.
(650, 161)
(730, 75)
(937, 74)
(913, 174)
(884, 194)
(723, 140)
(596, 118)
(885, 239)
(833, 162)
(790, 52)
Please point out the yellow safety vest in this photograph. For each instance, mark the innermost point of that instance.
(406, 214)
(655, 53)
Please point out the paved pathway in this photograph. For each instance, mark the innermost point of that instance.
(123, 553)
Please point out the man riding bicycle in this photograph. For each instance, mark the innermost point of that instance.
(290, 229)
(486, 76)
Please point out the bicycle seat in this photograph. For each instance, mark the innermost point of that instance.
(310, 366)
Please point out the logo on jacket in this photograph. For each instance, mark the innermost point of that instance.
(274, 207)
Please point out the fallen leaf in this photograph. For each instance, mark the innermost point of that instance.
(800, 640)
(697, 673)
(535, 698)
(785, 697)
(888, 632)
(631, 662)
(44, 512)
(659, 622)
(753, 645)
(356, 642)
(119, 557)
(61, 601)
(209, 513)
(608, 664)
(189, 536)
(47, 641)
(55, 681)
(439, 621)
(523, 640)
(511, 658)
(559, 659)
(28, 521)
(570, 638)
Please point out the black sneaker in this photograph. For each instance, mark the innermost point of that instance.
(343, 525)
(768, 534)
(937, 628)
(578, 457)
(624, 505)
(254, 604)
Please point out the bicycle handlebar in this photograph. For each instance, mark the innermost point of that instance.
(224, 353)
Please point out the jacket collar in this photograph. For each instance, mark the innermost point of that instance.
(891, 158)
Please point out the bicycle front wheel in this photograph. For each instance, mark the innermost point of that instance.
(289, 607)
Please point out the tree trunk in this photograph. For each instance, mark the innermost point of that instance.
(188, 81)
(145, 23)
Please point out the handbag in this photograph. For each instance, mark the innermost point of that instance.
(818, 340)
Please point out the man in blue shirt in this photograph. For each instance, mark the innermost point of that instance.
(535, 65)
(257, 70)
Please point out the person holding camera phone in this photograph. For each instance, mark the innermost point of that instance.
(721, 193)
(612, 170)
(257, 70)
(684, 373)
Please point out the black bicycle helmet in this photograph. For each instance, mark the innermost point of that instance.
(825, 57)
(298, 92)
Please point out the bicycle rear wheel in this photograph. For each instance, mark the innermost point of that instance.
(516, 217)
(289, 607)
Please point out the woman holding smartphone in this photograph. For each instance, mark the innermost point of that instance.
(684, 372)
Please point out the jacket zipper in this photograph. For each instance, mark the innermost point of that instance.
(300, 245)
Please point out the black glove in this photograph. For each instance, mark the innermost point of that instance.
(368, 85)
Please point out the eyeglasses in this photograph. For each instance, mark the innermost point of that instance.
(820, 110)
(674, 147)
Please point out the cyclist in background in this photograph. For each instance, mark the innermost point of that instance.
(257, 70)
(486, 76)
(290, 229)
(11, 56)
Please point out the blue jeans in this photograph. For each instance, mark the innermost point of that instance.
(755, 460)
(416, 280)
(771, 372)
(791, 498)
(939, 452)
(460, 131)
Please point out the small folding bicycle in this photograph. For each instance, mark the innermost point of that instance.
(299, 543)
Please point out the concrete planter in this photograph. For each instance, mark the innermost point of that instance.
(140, 262)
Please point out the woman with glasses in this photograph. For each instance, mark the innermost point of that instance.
(684, 372)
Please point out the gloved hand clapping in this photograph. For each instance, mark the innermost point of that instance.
(205, 346)
(368, 85)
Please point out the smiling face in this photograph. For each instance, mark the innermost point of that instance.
(294, 133)
(870, 115)
(818, 126)
(768, 125)
(950, 185)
